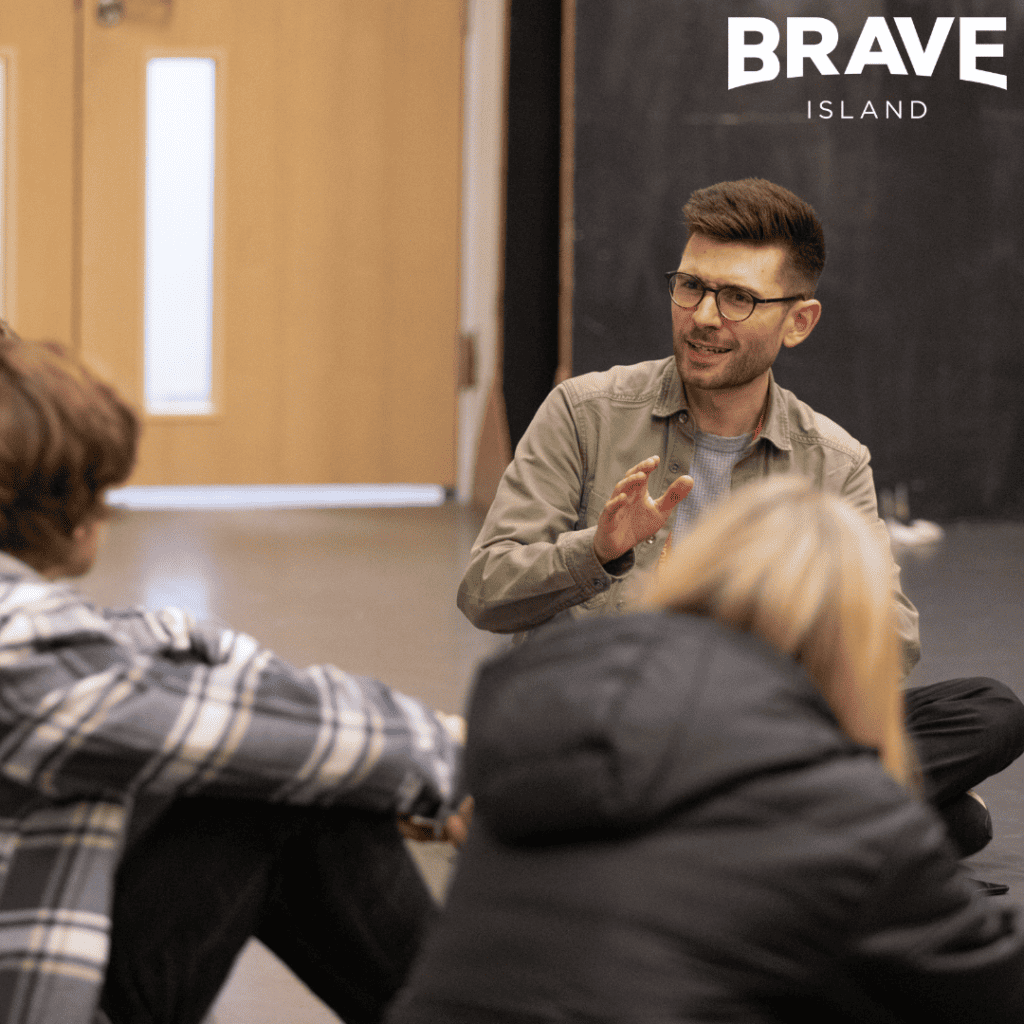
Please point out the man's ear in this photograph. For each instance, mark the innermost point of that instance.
(801, 321)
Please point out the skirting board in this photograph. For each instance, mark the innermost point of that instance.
(278, 496)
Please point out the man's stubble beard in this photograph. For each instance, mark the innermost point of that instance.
(743, 367)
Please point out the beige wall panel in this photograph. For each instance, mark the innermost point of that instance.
(423, 228)
(37, 43)
(339, 164)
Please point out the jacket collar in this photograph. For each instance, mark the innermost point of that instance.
(671, 400)
(776, 420)
(670, 396)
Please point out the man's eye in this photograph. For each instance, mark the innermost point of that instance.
(738, 296)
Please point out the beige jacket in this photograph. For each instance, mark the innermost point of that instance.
(534, 558)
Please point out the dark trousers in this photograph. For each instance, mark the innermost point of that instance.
(333, 892)
(964, 730)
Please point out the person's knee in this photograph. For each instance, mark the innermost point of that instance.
(1003, 714)
(965, 730)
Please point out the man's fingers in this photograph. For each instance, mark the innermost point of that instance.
(638, 474)
(646, 467)
(630, 484)
(613, 505)
(677, 490)
(618, 532)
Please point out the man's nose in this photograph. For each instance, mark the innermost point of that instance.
(706, 311)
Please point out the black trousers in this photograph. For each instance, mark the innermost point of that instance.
(964, 730)
(333, 892)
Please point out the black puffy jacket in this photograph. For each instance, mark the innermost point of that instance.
(671, 827)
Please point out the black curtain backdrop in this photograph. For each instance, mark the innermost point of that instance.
(919, 353)
(530, 354)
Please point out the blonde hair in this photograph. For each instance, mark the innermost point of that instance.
(806, 572)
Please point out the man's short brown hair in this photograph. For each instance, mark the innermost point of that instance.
(759, 212)
(65, 436)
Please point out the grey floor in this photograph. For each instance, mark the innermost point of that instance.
(373, 591)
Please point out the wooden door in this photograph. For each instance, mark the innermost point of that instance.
(336, 213)
(38, 168)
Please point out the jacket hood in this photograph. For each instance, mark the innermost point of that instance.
(606, 725)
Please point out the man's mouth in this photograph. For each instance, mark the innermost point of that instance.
(701, 347)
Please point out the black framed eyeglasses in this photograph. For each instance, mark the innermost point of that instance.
(733, 303)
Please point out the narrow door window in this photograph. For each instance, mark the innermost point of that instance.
(180, 145)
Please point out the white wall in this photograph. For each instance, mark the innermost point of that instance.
(482, 197)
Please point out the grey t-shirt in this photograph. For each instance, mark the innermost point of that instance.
(713, 461)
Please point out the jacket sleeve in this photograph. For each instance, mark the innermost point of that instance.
(933, 948)
(531, 559)
(859, 490)
(123, 703)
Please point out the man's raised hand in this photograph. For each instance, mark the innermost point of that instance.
(631, 515)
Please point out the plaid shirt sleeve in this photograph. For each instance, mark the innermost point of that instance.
(95, 703)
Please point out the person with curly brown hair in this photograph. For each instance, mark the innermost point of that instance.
(169, 788)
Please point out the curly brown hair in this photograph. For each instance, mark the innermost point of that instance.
(65, 436)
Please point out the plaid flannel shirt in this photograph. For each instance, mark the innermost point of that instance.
(98, 706)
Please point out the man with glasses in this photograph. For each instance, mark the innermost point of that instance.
(574, 528)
